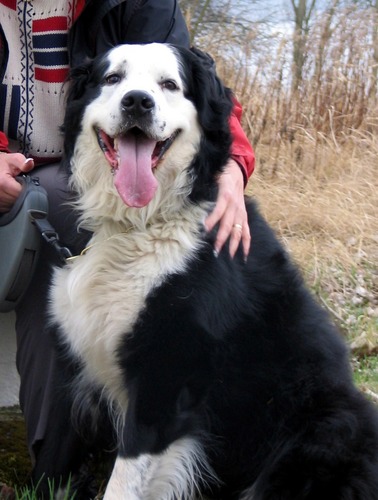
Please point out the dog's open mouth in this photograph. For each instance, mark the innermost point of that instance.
(133, 156)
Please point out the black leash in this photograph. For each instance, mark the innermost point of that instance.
(48, 233)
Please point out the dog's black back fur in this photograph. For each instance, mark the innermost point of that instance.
(241, 357)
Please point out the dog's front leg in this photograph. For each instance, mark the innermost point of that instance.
(178, 472)
(130, 477)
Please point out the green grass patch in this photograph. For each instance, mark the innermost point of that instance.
(27, 493)
(365, 371)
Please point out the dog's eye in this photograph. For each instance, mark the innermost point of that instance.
(112, 79)
(169, 85)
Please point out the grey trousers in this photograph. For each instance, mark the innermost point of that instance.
(36, 357)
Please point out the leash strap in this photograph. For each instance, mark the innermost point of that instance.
(49, 234)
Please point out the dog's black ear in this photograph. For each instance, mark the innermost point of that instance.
(213, 100)
(78, 79)
(213, 103)
(78, 82)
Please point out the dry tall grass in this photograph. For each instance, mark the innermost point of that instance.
(316, 174)
(328, 219)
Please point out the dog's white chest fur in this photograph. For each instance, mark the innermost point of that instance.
(98, 297)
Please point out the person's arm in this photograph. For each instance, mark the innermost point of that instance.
(229, 210)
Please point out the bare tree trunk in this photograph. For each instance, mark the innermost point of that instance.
(302, 16)
(325, 38)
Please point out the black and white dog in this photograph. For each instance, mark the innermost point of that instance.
(224, 377)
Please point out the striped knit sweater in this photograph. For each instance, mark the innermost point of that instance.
(32, 91)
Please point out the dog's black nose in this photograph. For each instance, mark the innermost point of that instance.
(137, 102)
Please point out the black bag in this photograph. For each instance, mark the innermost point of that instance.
(20, 242)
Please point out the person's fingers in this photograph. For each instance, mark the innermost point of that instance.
(235, 237)
(9, 192)
(216, 215)
(28, 165)
(225, 231)
(246, 240)
(230, 212)
(21, 166)
(12, 165)
(240, 233)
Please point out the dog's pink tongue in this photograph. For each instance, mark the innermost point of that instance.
(134, 180)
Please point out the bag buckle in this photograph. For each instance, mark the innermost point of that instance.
(49, 234)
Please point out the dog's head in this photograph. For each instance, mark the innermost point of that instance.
(147, 122)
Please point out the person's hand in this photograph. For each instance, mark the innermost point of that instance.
(230, 211)
(11, 165)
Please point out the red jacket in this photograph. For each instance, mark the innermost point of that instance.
(3, 143)
(241, 149)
